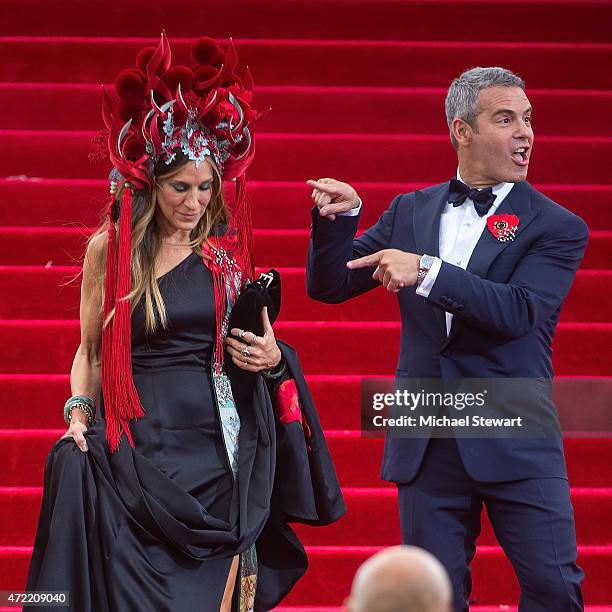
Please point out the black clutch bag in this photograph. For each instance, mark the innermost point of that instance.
(265, 291)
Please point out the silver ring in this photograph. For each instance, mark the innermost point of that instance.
(245, 352)
(242, 334)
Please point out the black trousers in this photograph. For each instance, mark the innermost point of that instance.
(533, 520)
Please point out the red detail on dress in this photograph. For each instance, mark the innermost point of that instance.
(288, 402)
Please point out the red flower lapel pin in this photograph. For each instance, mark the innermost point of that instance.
(503, 227)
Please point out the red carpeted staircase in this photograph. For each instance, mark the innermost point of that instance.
(357, 90)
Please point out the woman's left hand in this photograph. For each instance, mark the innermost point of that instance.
(254, 353)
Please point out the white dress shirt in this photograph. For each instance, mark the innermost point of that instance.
(460, 230)
(352, 212)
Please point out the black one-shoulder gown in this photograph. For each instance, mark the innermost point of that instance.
(155, 527)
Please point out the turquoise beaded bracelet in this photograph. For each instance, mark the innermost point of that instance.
(84, 403)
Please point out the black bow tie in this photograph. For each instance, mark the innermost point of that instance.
(483, 198)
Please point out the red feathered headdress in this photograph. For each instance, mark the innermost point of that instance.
(155, 109)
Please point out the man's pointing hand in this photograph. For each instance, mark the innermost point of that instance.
(332, 197)
(395, 269)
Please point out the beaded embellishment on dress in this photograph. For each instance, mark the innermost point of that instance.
(228, 413)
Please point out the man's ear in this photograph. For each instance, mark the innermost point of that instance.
(462, 132)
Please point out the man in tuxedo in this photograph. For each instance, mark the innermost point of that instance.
(475, 302)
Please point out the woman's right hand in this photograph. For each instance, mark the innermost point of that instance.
(78, 426)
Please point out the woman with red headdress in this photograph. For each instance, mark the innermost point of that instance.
(204, 443)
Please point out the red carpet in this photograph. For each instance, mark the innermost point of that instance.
(357, 90)
(280, 61)
(560, 20)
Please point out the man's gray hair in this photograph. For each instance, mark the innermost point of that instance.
(462, 97)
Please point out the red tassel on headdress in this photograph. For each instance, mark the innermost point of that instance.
(244, 228)
(121, 401)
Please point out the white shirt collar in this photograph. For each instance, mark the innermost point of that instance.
(501, 190)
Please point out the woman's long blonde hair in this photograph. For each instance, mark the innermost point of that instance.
(146, 241)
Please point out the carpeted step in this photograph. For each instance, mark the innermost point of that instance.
(37, 292)
(357, 459)
(299, 62)
(275, 204)
(61, 246)
(298, 157)
(375, 19)
(328, 579)
(42, 246)
(496, 608)
(337, 398)
(48, 347)
(371, 519)
(332, 569)
(338, 109)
